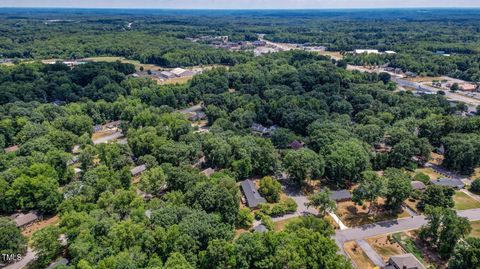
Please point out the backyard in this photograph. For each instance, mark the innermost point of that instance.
(358, 256)
(463, 201)
(355, 215)
(385, 246)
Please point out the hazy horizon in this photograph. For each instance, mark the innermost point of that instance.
(240, 4)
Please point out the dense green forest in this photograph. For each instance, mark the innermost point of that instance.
(192, 217)
(158, 36)
(194, 220)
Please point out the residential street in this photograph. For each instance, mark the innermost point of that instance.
(393, 226)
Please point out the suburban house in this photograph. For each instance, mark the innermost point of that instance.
(22, 219)
(196, 116)
(252, 196)
(418, 185)
(97, 128)
(137, 170)
(341, 195)
(448, 182)
(12, 149)
(208, 172)
(404, 261)
(296, 145)
(260, 129)
(114, 124)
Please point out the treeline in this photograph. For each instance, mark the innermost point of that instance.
(57, 82)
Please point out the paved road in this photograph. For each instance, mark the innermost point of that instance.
(371, 253)
(29, 256)
(393, 226)
(471, 103)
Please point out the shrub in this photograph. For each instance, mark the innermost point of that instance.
(270, 188)
(245, 218)
(422, 177)
(475, 187)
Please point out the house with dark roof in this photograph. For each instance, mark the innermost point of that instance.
(137, 170)
(341, 195)
(417, 185)
(448, 182)
(404, 261)
(252, 196)
(97, 128)
(296, 145)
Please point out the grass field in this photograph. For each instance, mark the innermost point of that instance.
(123, 60)
(359, 258)
(475, 228)
(280, 225)
(463, 201)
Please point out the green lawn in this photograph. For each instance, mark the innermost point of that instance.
(463, 201)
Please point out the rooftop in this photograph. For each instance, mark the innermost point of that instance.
(340, 195)
(417, 185)
(251, 193)
(405, 261)
(448, 182)
(138, 169)
(22, 219)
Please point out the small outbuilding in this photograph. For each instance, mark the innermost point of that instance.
(341, 195)
(404, 261)
(448, 182)
(252, 196)
(418, 185)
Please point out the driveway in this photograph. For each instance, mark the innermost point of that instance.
(371, 253)
(29, 256)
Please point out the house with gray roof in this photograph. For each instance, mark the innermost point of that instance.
(417, 185)
(252, 196)
(22, 219)
(260, 228)
(341, 195)
(448, 182)
(404, 261)
(137, 170)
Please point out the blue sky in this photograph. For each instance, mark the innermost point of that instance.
(240, 4)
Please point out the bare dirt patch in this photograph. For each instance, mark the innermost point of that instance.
(358, 256)
(31, 229)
